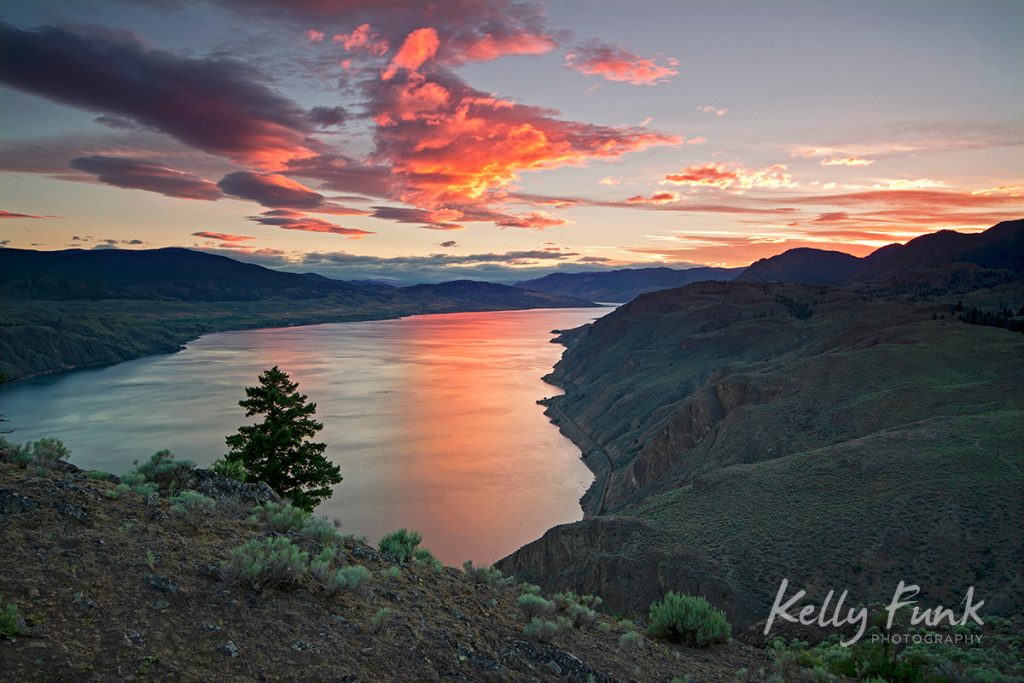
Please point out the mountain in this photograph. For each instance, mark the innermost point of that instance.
(71, 309)
(741, 433)
(1001, 247)
(625, 284)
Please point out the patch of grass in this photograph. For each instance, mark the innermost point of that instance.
(380, 619)
(321, 530)
(98, 475)
(230, 469)
(193, 508)
(265, 563)
(350, 578)
(631, 640)
(491, 576)
(391, 574)
(688, 619)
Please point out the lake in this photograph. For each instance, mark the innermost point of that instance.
(433, 419)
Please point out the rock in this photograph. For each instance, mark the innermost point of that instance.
(553, 667)
(161, 605)
(301, 646)
(223, 489)
(212, 628)
(228, 648)
(33, 592)
(12, 503)
(162, 584)
(132, 637)
(84, 603)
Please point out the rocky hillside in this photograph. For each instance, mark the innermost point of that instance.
(624, 284)
(744, 433)
(105, 581)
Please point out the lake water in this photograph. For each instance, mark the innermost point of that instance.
(433, 419)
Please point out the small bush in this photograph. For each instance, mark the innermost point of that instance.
(232, 469)
(540, 630)
(319, 529)
(530, 588)
(489, 575)
(424, 558)
(391, 574)
(135, 482)
(350, 578)
(280, 517)
(380, 619)
(534, 605)
(320, 566)
(400, 545)
(193, 507)
(11, 621)
(563, 601)
(164, 470)
(631, 639)
(581, 615)
(41, 453)
(98, 475)
(688, 619)
(263, 563)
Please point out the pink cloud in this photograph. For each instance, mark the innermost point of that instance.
(612, 63)
(418, 47)
(656, 198)
(717, 111)
(846, 161)
(297, 220)
(315, 36)
(736, 179)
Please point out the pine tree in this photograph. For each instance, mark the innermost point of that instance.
(278, 450)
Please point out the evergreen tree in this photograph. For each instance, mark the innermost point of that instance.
(278, 450)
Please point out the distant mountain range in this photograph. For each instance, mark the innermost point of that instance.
(620, 286)
(1001, 247)
(75, 308)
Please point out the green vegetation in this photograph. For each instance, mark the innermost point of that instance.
(534, 605)
(265, 563)
(43, 453)
(403, 546)
(321, 530)
(631, 639)
(193, 507)
(688, 619)
(489, 575)
(280, 517)
(232, 470)
(11, 621)
(278, 450)
(541, 630)
(380, 619)
(350, 578)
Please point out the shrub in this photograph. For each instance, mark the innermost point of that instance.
(687, 619)
(320, 566)
(631, 639)
(391, 573)
(280, 517)
(320, 530)
(98, 475)
(380, 619)
(232, 469)
(41, 453)
(263, 563)
(563, 601)
(135, 482)
(581, 615)
(11, 621)
(534, 605)
(193, 507)
(530, 588)
(489, 575)
(403, 546)
(349, 578)
(540, 630)
(164, 470)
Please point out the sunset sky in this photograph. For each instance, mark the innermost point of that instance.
(470, 138)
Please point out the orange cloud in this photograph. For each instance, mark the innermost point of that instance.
(612, 63)
(656, 198)
(362, 39)
(315, 36)
(491, 47)
(222, 236)
(736, 179)
(418, 47)
(296, 220)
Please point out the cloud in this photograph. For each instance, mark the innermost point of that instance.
(737, 178)
(595, 58)
(328, 116)
(709, 109)
(11, 214)
(610, 181)
(846, 161)
(448, 244)
(441, 219)
(656, 198)
(141, 175)
(222, 236)
(289, 219)
(417, 48)
(214, 104)
(270, 189)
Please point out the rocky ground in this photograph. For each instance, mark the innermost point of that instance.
(112, 587)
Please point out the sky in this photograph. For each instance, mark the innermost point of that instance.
(422, 141)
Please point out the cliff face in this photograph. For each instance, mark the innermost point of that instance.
(760, 432)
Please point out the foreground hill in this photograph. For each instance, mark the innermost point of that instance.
(743, 433)
(74, 308)
(1000, 248)
(115, 586)
(620, 286)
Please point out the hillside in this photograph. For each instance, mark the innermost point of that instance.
(821, 434)
(72, 309)
(1000, 248)
(625, 284)
(115, 586)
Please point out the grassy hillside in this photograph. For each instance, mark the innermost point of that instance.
(110, 584)
(824, 435)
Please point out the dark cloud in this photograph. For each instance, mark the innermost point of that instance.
(115, 123)
(328, 116)
(270, 189)
(140, 175)
(214, 104)
(289, 219)
(448, 244)
(11, 214)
